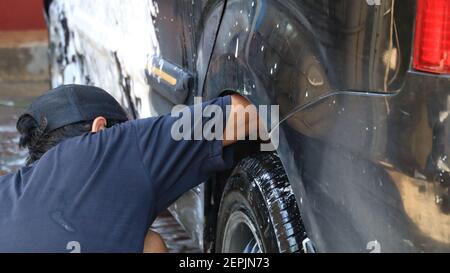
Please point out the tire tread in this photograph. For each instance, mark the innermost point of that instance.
(268, 173)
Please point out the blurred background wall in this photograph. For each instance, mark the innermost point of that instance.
(16, 15)
(23, 41)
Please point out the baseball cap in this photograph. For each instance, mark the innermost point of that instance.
(69, 104)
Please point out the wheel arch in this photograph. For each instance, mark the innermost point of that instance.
(233, 67)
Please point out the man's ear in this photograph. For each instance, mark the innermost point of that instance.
(98, 124)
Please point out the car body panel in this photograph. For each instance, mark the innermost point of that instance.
(358, 130)
(91, 43)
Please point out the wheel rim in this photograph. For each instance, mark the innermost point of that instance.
(240, 235)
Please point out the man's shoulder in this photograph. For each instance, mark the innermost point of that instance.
(91, 147)
(109, 135)
(5, 178)
(15, 181)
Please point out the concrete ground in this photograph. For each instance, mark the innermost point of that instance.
(24, 76)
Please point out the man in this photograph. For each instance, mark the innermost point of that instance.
(94, 181)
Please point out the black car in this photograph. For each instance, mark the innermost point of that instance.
(363, 87)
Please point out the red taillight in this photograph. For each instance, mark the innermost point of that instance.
(432, 41)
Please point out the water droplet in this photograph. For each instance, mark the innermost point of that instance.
(262, 48)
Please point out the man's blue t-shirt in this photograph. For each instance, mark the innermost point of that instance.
(101, 192)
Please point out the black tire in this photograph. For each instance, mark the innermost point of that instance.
(258, 201)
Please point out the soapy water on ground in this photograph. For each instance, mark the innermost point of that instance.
(14, 98)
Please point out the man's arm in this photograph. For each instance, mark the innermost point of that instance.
(176, 166)
(238, 125)
(154, 243)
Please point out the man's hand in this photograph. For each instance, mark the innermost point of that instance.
(242, 121)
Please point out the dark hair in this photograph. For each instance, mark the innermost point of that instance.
(38, 143)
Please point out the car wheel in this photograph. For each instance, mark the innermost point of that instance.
(258, 211)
